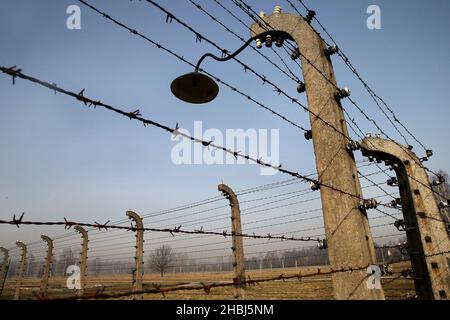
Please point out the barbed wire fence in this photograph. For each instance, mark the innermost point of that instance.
(112, 250)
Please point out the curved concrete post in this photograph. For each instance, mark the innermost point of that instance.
(237, 246)
(21, 270)
(425, 230)
(47, 266)
(347, 228)
(4, 270)
(83, 259)
(138, 271)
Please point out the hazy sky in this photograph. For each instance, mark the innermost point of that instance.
(60, 158)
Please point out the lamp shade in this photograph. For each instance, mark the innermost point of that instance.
(194, 87)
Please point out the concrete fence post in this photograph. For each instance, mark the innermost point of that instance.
(237, 246)
(138, 271)
(47, 266)
(426, 232)
(350, 242)
(4, 270)
(83, 259)
(21, 270)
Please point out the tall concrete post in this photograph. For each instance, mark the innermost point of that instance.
(47, 266)
(426, 232)
(21, 270)
(4, 270)
(347, 229)
(83, 259)
(237, 246)
(138, 271)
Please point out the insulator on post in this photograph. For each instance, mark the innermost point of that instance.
(268, 41)
(371, 159)
(308, 134)
(277, 10)
(301, 87)
(368, 204)
(342, 93)
(331, 50)
(311, 14)
(315, 185)
(392, 181)
(261, 14)
(295, 54)
(322, 244)
(279, 41)
(410, 147)
(429, 153)
(258, 43)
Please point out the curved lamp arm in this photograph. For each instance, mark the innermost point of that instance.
(231, 56)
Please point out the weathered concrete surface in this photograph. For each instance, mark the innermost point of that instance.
(21, 270)
(139, 258)
(237, 246)
(347, 229)
(426, 232)
(4, 269)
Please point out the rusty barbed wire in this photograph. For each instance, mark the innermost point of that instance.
(247, 9)
(136, 115)
(181, 58)
(100, 294)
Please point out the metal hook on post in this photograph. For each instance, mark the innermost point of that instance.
(4, 270)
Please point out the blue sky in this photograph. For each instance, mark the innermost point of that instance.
(60, 158)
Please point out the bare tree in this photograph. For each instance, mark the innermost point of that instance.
(161, 259)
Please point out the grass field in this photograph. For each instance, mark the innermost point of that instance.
(314, 288)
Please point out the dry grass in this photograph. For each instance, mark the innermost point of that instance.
(314, 288)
